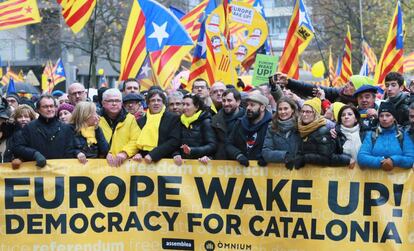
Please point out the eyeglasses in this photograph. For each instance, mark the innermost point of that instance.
(307, 112)
(113, 101)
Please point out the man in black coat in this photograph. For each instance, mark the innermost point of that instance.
(224, 121)
(394, 85)
(46, 137)
(245, 142)
(168, 130)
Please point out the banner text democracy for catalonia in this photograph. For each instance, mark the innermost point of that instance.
(221, 206)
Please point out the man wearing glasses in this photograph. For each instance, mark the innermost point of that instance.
(119, 127)
(76, 93)
(46, 137)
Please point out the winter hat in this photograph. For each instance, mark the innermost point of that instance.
(259, 98)
(387, 107)
(14, 95)
(336, 107)
(315, 103)
(67, 107)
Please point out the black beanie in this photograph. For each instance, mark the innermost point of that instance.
(387, 107)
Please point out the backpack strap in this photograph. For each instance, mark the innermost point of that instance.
(400, 136)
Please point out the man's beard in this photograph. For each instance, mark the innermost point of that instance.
(252, 115)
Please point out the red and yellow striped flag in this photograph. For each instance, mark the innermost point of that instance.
(346, 68)
(332, 72)
(409, 62)
(392, 57)
(167, 61)
(133, 51)
(77, 12)
(300, 33)
(11, 74)
(15, 13)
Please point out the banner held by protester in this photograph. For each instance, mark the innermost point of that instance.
(204, 207)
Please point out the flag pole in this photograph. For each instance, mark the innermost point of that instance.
(361, 23)
(323, 58)
(92, 52)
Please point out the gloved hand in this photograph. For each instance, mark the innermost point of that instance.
(261, 162)
(289, 161)
(299, 161)
(40, 159)
(243, 160)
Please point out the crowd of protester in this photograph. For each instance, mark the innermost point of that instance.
(284, 121)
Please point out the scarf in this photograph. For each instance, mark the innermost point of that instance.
(305, 130)
(186, 121)
(148, 138)
(353, 141)
(285, 126)
(253, 128)
(89, 134)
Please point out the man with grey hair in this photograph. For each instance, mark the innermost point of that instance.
(76, 93)
(175, 102)
(216, 95)
(119, 127)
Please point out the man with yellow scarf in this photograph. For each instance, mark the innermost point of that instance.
(160, 130)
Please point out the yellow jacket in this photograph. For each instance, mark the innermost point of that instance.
(124, 137)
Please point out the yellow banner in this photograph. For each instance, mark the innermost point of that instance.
(220, 206)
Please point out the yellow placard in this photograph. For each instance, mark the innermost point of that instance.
(219, 206)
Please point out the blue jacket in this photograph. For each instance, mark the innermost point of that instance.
(387, 145)
(277, 145)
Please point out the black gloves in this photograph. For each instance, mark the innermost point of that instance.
(261, 162)
(40, 159)
(294, 161)
(243, 160)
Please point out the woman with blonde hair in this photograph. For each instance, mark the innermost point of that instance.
(89, 139)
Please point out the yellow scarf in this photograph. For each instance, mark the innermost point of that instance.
(305, 130)
(213, 108)
(186, 121)
(148, 138)
(89, 134)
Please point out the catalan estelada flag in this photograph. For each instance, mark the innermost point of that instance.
(346, 67)
(369, 53)
(76, 12)
(15, 13)
(300, 33)
(392, 57)
(169, 60)
(204, 62)
(150, 28)
(409, 62)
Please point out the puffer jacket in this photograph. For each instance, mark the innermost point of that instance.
(279, 147)
(319, 148)
(401, 104)
(387, 145)
(121, 134)
(200, 137)
(98, 150)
